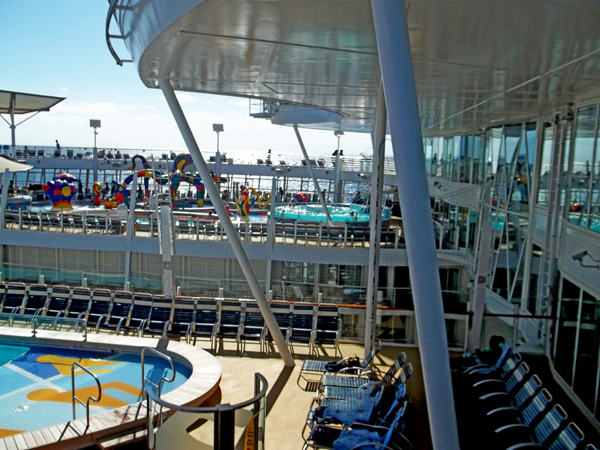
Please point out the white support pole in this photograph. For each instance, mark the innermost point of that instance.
(271, 236)
(232, 235)
(312, 174)
(13, 127)
(395, 58)
(482, 269)
(132, 201)
(375, 220)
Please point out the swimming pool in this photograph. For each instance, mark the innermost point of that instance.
(35, 386)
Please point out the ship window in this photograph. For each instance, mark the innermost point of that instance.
(545, 164)
(586, 369)
(567, 329)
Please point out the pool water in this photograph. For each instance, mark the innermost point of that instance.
(35, 391)
(7, 354)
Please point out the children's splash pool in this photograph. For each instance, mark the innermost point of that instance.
(351, 214)
(35, 391)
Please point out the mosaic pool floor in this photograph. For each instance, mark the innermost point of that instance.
(35, 387)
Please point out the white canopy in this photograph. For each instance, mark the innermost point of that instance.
(12, 166)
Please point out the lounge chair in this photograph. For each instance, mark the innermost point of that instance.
(313, 370)
(253, 328)
(120, 311)
(35, 303)
(100, 307)
(160, 316)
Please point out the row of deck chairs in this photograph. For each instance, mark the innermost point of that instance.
(517, 411)
(316, 326)
(41, 221)
(360, 407)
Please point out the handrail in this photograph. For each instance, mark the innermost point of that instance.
(212, 409)
(111, 12)
(74, 397)
(144, 379)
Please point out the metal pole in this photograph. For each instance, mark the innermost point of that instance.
(13, 127)
(337, 194)
(395, 58)
(96, 157)
(312, 174)
(375, 220)
(218, 159)
(482, 269)
(233, 237)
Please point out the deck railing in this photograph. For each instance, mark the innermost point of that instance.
(223, 426)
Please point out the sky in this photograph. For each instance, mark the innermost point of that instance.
(58, 48)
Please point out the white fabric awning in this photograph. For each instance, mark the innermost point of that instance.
(12, 166)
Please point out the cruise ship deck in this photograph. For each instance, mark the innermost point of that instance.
(485, 222)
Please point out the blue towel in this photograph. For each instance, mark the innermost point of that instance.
(352, 438)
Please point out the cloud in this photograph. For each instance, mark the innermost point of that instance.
(186, 98)
(242, 102)
(64, 89)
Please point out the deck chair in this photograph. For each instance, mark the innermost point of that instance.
(59, 300)
(253, 328)
(509, 383)
(80, 303)
(324, 435)
(501, 398)
(513, 435)
(160, 316)
(354, 385)
(14, 298)
(140, 312)
(530, 415)
(369, 436)
(502, 402)
(302, 325)
(120, 311)
(99, 308)
(314, 371)
(205, 323)
(327, 328)
(569, 439)
(230, 321)
(184, 311)
(35, 302)
(281, 311)
(486, 368)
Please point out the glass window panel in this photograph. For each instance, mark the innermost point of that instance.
(567, 330)
(477, 159)
(545, 163)
(582, 164)
(536, 255)
(564, 182)
(595, 206)
(586, 370)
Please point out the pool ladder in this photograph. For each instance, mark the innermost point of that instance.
(74, 398)
(158, 385)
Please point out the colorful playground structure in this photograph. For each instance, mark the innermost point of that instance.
(61, 190)
(174, 178)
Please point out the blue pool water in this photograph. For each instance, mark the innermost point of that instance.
(7, 354)
(35, 391)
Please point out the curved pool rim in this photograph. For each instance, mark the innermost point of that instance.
(203, 381)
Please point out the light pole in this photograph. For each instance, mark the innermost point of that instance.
(95, 124)
(337, 197)
(218, 128)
